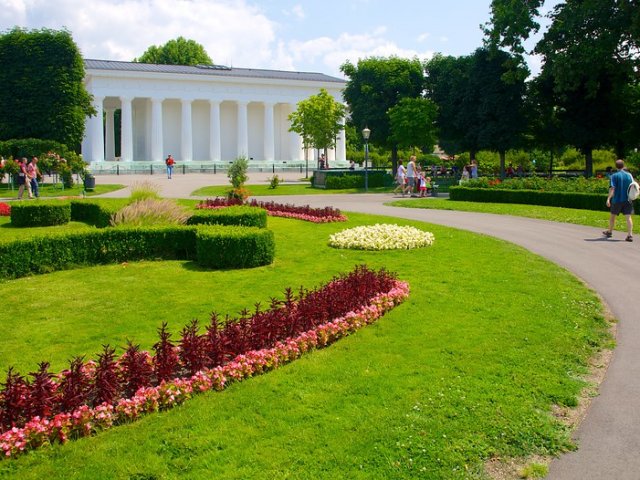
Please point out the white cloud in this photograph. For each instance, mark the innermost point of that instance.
(230, 30)
(422, 37)
(297, 11)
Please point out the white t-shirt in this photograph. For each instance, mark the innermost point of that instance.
(401, 173)
(411, 170)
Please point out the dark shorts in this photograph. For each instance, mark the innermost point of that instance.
(625, 208)
(20, 180)
(412, 181)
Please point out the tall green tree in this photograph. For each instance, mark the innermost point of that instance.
(374, 86)
(412, 123)
(42, 94)
(179, 51)
(318, 120)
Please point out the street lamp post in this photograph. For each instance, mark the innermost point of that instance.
(365, 134)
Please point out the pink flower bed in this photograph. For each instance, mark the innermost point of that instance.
(307, 213)
(108, 409)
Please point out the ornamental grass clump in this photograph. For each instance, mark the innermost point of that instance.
(381, 237)
(149, 212)
(143, 191)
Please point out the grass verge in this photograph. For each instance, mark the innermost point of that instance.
(465, 370)
(282, 189)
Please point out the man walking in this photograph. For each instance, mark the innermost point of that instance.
(618, 201)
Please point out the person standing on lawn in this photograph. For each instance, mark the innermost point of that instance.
(618, 200)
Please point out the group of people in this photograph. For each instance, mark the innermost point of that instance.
(411, 180)
(28, 177)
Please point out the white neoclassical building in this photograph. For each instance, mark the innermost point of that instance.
(198, 114)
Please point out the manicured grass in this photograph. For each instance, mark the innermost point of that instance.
(50, 190)
(466, 369)
(282, 189)
(565, 215)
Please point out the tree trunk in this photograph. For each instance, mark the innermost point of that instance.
(503, 155)
(551, 165)
(394, 159)
(472, 155)
(588, 157)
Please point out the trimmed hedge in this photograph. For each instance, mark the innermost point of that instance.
(218, 247)
(95, 213)
(40, 213)
(582, 201)
(234, 247)
(236, 215)
(349, 180)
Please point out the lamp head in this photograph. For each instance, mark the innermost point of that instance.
(365, 133)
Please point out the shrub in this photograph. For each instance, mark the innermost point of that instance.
(316, 215)
(97, 213)
(234, 247)
(40, 214)
(237, 172)
(233, 215)
(375, 179)
(30, 147)
(151, 211)
(5, 210)
(584, 201)
(274, 182)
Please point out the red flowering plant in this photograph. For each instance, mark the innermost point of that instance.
(5, 210)
(92, 396)
(316, 215)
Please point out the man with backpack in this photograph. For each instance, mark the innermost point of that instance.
(619, 200)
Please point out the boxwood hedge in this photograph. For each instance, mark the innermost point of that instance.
(40, 213)
(235, 215)
(234, 247)
(583, 201)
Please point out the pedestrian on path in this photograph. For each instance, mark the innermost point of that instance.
(618, 201)
(170, 162)
(401, 174)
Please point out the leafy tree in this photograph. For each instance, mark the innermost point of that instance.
(43, 94)
(412, 123)
(318, 120)
(375, 85)
(179, 51)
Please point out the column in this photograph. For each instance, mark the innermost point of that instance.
(186, 145)
(97, 132)
(341, 145)
(126, 134)
(295, 141)
(110, 137)
(269, 139)
(157, 141)
(243, 136)
(214, 131)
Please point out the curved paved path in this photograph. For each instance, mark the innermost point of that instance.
(609, 436)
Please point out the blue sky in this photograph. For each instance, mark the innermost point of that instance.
(286, 34)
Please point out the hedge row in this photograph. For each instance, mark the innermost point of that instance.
(374, 179)
(40, 214)
(95, 247)
(234, 247)
(582, 201)
(55, 212)
(95, 213)
(235, 215)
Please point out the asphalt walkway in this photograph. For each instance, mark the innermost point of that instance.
(609, 436)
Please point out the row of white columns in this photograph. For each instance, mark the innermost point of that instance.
(97, 139)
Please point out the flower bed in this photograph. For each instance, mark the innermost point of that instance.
(307, 213)
(93, 396)
(381, 237)
(5, 209)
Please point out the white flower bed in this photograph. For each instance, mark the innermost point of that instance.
(381, 237)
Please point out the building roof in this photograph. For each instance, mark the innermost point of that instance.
(210, 70)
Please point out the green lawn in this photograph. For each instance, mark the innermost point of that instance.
(51, 190)
(467, 369)
(565, 215)
(282, 189)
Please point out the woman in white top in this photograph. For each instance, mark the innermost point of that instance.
(401, 174)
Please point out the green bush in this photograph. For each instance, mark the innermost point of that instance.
(237, 215)
(341, 182)
(30, 147)
(582, 201)
(95, 213)
(234, 247)
(40, 213)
